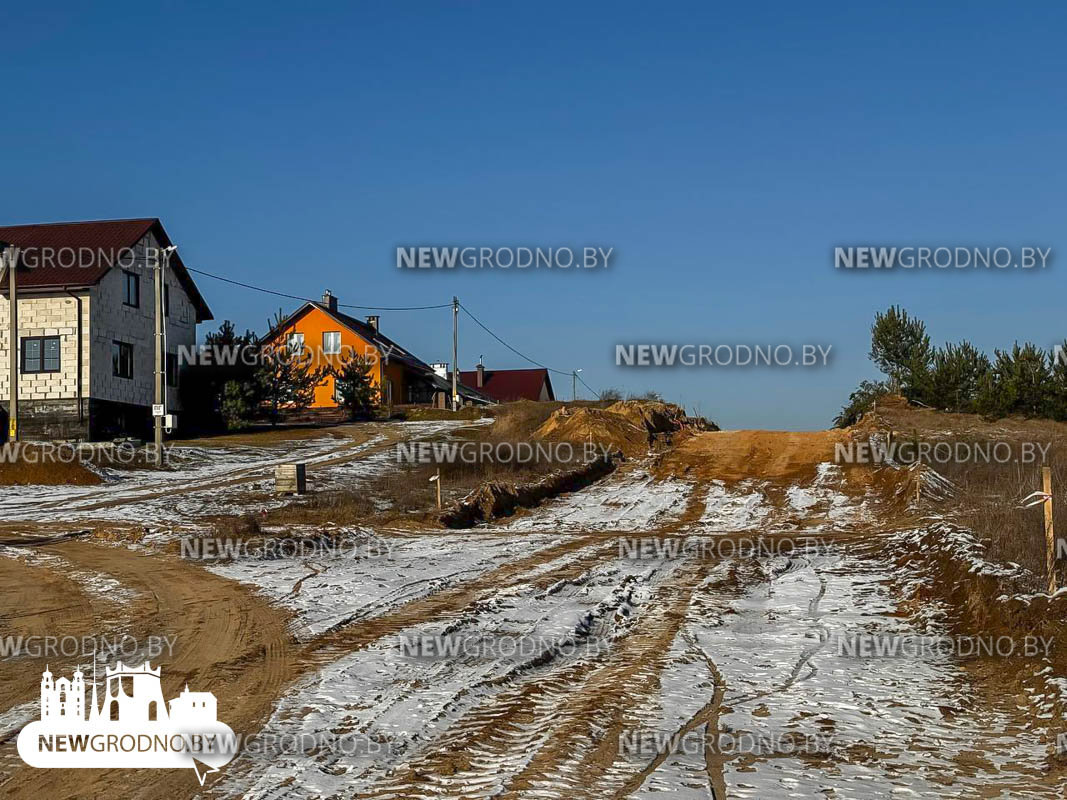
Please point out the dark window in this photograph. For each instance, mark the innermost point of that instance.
(122, 360)
(172, 369)
(131, 295)
(40, 354)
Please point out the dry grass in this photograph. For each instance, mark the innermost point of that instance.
(408, 495)
(990, 493)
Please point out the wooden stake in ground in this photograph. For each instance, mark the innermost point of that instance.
(437, 479)
(1050, 536)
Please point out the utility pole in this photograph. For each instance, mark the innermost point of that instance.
(157, 418)
(160, 404)
(574, 384)
(455, 353)
(11, 257)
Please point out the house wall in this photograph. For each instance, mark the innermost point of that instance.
(113, 321)
(48, 402)
(313, 324)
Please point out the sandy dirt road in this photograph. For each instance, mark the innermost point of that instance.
(684, 617)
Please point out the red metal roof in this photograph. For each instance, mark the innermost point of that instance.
(67, 254)
(505, 385)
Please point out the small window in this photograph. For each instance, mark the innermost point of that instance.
(294, 343)
(122, 360)
(172, 369)
(331, 343)
(132, 289)
(40, 354)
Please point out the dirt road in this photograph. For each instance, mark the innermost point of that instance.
(680, 627)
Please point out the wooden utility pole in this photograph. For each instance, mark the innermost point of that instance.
(1050, 536)
(455, 354)
(438, 481)
(11, 257)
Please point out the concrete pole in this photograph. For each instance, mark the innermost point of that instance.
(157, 420)
(11, 257)
(455, 353)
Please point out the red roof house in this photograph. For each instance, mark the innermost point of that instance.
(506, 385)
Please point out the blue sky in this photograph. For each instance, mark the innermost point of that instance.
(722, 150)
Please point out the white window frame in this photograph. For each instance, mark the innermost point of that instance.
(335, 339)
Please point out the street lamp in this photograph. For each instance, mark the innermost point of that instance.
(574, 385)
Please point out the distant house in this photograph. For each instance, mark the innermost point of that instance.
(330, 337)
(506, 385)
(86, 327)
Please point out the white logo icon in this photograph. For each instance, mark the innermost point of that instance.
(131, 729)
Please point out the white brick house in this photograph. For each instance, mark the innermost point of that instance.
(86, 327)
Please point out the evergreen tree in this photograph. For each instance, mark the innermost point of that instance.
(356, 392)
(860, 402)
(901, 348)
(955, 376)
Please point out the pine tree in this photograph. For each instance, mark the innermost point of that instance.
(955, 376)
(357, 393)
(901, 348)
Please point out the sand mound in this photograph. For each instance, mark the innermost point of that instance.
(631, 426)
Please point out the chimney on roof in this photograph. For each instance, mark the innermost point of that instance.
(481, 373)
(373, 321)
(441, 368)
(329, 301)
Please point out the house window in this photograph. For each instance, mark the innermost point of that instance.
(40, 354)
(294, 343)
(122, 360)
(131, 295)
(172, 369)
(331, 343)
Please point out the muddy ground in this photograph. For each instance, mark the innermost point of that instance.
(678, 626)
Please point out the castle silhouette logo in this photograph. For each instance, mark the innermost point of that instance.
(131, 729)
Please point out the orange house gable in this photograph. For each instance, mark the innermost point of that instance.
(330, 338)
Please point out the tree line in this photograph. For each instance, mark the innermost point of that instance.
(1025, 380)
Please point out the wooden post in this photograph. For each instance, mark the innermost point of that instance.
(1050, 536)
(438, 481)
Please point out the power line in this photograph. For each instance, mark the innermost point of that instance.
(309, 300)
(572, 373)
(399, 308)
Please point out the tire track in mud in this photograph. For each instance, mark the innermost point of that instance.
(451, 601)
(229, 641)
(552, 727)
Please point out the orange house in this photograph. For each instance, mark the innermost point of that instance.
(330, 338)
